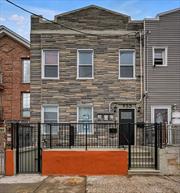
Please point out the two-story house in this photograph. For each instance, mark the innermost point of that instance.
(90, 76)
(162, 66)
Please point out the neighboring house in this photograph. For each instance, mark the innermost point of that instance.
(162, 66)
(15, 76)
(77, 77)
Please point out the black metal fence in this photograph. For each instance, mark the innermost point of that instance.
(2, 162)
(141, 140)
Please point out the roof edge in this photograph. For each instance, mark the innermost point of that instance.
(14, 35)
(91, 6)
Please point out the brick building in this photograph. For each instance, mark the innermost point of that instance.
(15, 76)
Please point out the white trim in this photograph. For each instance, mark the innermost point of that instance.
(134, 65)
(166, 57)
(153, 107)
(49, 105)
(85, 78)
(92, 112)
(43, 64)
(14, 35)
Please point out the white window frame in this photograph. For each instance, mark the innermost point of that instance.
(22, 104)
(153, 107)
(85, 78)
(166, 57)
(43, 64)
(134, 65)
(23, 59)
(42, 114)
(92, 118)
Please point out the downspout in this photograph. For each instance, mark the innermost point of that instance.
(141, 80)
(144, 73)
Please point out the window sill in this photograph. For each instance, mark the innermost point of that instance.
(126, 78)
(85, 78)
(46, 78)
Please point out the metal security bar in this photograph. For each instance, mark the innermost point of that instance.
(148, 138)
(2, 162)
(142, 141)
(81, 135)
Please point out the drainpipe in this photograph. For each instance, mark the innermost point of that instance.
(141, 81)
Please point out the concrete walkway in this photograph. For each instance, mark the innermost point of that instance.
(93, 184)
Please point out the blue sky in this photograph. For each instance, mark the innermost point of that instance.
(19, 21)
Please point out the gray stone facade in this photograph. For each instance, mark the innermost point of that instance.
(111, 32)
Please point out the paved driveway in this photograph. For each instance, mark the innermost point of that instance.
(93, 184)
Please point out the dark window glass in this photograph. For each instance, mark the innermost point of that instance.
(126, 71)
(85, 71)
(51, 71)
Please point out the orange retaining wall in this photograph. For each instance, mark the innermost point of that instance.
(84, 162)
(9, 165)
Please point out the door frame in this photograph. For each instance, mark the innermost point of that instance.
(153, 107)
(133, 108)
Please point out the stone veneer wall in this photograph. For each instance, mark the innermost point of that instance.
(68, 92)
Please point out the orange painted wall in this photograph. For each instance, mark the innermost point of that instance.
(84, 162)
(9, 165)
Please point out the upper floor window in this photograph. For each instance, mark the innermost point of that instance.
(50, 64)
(159, 56)
(26, 70)
(26, 104)
(127, 64)
(85, 64)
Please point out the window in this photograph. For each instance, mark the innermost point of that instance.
(26, 104)
(160, 114)
(50, 64)
(85, 64)
(85, 115)
(50, 114)
(159, 56)
(26, 70)
(127, 64)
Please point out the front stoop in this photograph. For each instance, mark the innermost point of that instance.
(144, 172)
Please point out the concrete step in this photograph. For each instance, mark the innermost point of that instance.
(144, 171)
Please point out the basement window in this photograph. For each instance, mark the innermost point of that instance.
(50, 64)
(159, 56)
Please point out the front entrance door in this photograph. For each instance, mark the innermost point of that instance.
(126, 116)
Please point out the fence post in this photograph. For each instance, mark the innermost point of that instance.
(12, 136)
(119, 144)
(17, 147)
(86, 136)
(129, 145)
(39, 147)
(161, 135)
(156, 147)
(50, 136)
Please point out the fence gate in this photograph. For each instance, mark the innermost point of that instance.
(28, 148)
(144, 152)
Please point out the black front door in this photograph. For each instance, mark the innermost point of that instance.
(126, 120)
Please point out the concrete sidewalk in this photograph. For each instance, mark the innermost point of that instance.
(93, 184)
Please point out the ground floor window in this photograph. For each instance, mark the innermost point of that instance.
(50, 114)
(25, 105)
(160, 114)
(85, 115)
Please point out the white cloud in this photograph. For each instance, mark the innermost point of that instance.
(18, 19)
